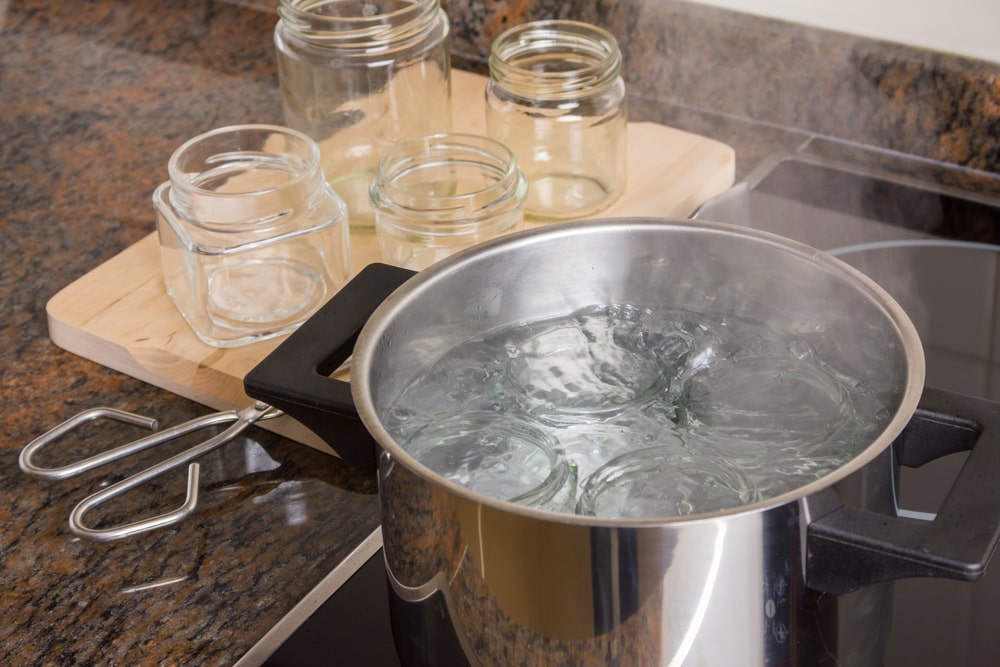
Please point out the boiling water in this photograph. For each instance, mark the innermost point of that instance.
(628, 412)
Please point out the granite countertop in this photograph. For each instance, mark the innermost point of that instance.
(95, 96)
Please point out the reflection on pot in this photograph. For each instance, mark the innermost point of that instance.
(508, 589)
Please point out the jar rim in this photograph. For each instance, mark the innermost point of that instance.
(260, 202)
(180, 178)
(555, 58)
(410, 155)
(349, 28)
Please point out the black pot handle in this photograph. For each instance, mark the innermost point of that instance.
(849, 548)
(295, 376)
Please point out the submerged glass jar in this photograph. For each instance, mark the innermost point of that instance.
(557, 99)
(436, 195)
(252, 238)
(358, 76)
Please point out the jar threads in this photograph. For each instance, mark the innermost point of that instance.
(557, 99)
(353, 73)
(439, 194)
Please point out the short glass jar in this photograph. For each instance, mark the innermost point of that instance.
(252, 238)
(557, 99)
(358, 76)
(436, 195)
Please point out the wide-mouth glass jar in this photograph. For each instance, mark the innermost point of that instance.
(557, 99)
(439, 194)
(358, 76)
(252, 238)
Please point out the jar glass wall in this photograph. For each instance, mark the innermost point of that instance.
(358, 76)
(557, 99)
(252, 238)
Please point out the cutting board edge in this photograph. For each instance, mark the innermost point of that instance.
(83, 343)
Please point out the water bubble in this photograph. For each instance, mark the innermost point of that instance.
(800, 349)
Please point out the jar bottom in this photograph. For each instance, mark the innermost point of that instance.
(562, 196)
(270, 293)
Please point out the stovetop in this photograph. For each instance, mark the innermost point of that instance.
(350, 628)
(934, 250)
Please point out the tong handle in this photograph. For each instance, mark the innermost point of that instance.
(26, 463)
(240, 421)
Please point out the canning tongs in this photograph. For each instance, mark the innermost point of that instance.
(239, 419)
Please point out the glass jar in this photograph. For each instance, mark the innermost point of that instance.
(557, 99)
(358, 76)
(436, 195)
(252, 238)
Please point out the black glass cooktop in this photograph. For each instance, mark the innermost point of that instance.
(350, 628)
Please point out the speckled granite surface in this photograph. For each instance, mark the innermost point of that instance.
(93, 99)
(94, 96)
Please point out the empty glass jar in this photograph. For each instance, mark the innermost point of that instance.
(358, 76)
(436, 195)
(557, 99)
(252, 239)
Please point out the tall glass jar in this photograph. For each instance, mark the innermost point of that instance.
(358, 76)
(557, 99)
(252, 239)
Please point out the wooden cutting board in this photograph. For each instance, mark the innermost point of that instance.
(119, 315)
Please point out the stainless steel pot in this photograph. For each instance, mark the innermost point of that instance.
(794, 579)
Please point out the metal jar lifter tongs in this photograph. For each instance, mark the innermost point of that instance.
(349, 309)
(239, 420)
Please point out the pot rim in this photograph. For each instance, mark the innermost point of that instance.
(427, 279)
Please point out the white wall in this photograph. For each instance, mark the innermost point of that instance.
(963, 27)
